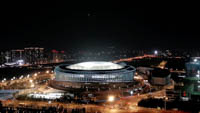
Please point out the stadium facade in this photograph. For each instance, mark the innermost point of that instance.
(92, 76)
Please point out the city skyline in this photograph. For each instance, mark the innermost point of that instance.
(99, 57)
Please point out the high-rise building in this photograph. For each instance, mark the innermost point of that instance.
(54, 56)
(17, 55)
(62, 56)
(2, 58)
(34, 55)
(8, 56)
(58, 56)
(191, 83)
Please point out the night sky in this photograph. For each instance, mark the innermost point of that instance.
(99, 24)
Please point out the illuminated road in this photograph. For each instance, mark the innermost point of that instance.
(135, 58)
(124, 105)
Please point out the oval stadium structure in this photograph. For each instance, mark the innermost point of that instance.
(92, 75)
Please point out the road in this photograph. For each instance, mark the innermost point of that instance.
(124, 105)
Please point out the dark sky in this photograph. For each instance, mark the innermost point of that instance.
(99, 24)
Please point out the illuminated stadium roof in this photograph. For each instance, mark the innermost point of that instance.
(97, 65)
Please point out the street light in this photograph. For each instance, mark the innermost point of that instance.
(28, 76)
(30, 81)
(165, 100)
(155, 52)
(49, 102)
(195, 60)
(21, 77)
(47, 72)
(131, 92)
(111, 98)
(32, 85)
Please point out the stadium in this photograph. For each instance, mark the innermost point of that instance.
(93, 76)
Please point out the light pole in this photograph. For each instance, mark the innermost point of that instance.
(165, 102)
(111, 99)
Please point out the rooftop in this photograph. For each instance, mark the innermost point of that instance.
(95, 65)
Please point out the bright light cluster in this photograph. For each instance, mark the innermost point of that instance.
(97, 65)
(46, 96)
(111, 98)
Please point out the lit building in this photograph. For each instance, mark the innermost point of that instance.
(93, 76)
(8, 56)
(191, 88)
(2, 58)
(34, 55)
(17, 55)
(54, 56)
(62, 56)
(58, 56)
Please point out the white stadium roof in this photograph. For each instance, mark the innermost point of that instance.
(95, 65)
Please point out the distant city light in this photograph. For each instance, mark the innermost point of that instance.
(21, 77)
(32, 85)
(30, 81)
(155, 52)
(131, 92)
(20, 62)
(47, 71)
(111, 98)
(195, 60)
